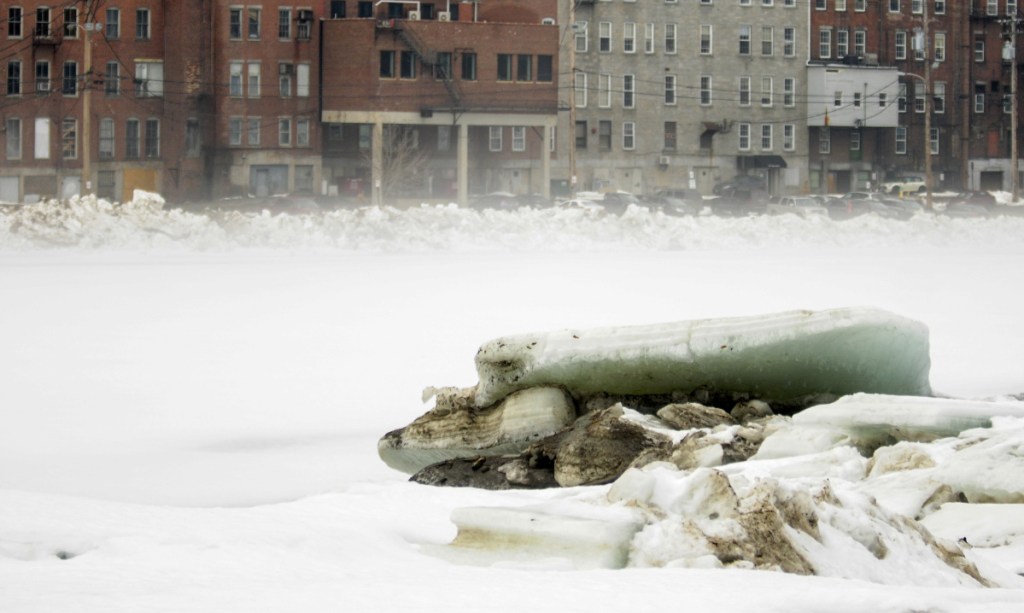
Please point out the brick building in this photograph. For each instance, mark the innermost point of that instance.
(147, 107)
(465, 93)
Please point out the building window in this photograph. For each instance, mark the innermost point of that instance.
(69, 138)
(545, 69)
(766, 137)
(992, 7)
(824, 140)
(504, 66)
(337, 9)
(789, 41)
(70, 22)
(920, 97)
(235, 23)
(604, 91)
(14, 24)
(767, 40)
(70, 84)
(494, 138)
(669, 139)
(789, 91)
(112, 79)
(235, 131)
(284, 132)
(253, 23)
(468, 66)
(820, 5)
(284, 23)
(42, 75)
(629, 37)
(580, 29)
(628, 91)
(284, 79)
(788, 137)
(670, 89)
(524, 68)
(407, 65)
(979, 50)
(580, 92)
(42, 22)
(837, 99)
(649, 38)
(253, 83)
(940, 7)
(940, 47)
(14, 78)
(604, 36)
(1007, 104)
(152, 138)
(842, 43)
(745, 40)
(860, 41)
(132, 139)
(387, 64)
(304, 28)
(12, 129)
(518, 138)
(855, 140)
(42, 144)
(670, 38)
(743, 134)
(744, 97)
(860, 5)
(706, 41)
(628, 135)
(142, 30)
(302, 132)
(824, 43)
(934, 141)
(916, 6)
(443, 66)
(939, 97)
(580, 134)
(894, 6)
(901, 99)
(193, 138)
(604, 135)
(106, 142)
(767, 98)
(705, 90)
(149, 79)
(302, 80)
(235, 79)
(840, 5)
(901, 44)
(253, 131)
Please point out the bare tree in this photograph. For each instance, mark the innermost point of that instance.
(403, 163)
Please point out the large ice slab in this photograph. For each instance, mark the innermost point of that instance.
(781, 357)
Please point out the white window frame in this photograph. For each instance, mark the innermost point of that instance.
(767, 41)
(671, 42)
(825, 43)
(629, 37)
(788, 137)
(629, 135)
(604, 37)
(743, 136)
(14, 147)
(518, 138)
(789, 92)
(580, 82)
(707, 39)
(604, 91)
(649, 31)
(253, 131)
(767, 93)
(900, 144)
(744, 90)
(789, 41)
(494, 135)
(253, 79)
(767, 137)
(284, 131)
(628, 91)
(706, 90)
(670, 90)
(236, 72)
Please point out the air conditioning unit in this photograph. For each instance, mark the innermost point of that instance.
(444, 16)
(286, 69)
(664, 160)
(548, 21)
(414, 15)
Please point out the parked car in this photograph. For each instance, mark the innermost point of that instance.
(804, 206)
(749, 183)
(672, 206)
(848, 207)
(738, 203)
(583, 204)
(495, 200)
(905, 209)
(618, 202)
(963, 208)
(904, 184)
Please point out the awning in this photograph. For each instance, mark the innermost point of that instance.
(749, 162)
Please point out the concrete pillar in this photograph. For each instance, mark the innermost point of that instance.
(462, 164)
(377, 163)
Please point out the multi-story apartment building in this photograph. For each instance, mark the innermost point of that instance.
(463, 95)
(266, 97)
(946, 61)
(146, 107)
(685, 94)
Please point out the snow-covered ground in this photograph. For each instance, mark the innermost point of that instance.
(190, 409)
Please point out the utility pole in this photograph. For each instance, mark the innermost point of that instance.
(87, 28)
(1014, 172)
(923, 43)
(572, 99)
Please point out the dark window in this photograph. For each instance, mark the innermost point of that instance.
(13, 78)
(524, 68)
(113, 27)
(337, 9)
(364, 9)
(396, 11)
(504, 67)
(581, 134)
(604, 135)
(43, 22)
(443, 66)
(131, 139)
(387, 64)
(142, 24)
(670, 136)
(70, 87)
(468, 66)
(408, 67)
(152, 138)
(193, 138)
(544, 68)
(14, 22)
(70, 22)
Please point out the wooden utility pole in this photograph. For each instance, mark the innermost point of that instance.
(87, 28)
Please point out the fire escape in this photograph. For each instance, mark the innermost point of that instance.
(430, 59)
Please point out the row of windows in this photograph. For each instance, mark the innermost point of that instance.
(522, 68)
(244, 79)
(247, 23)
(745, 94)
(248, 131)
(938, 7)
(767, 3)
(148, 81)
(903, 40)
(141, 138)
(45, 26)
(770, 38)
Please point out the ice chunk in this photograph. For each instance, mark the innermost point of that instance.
(779, 357)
